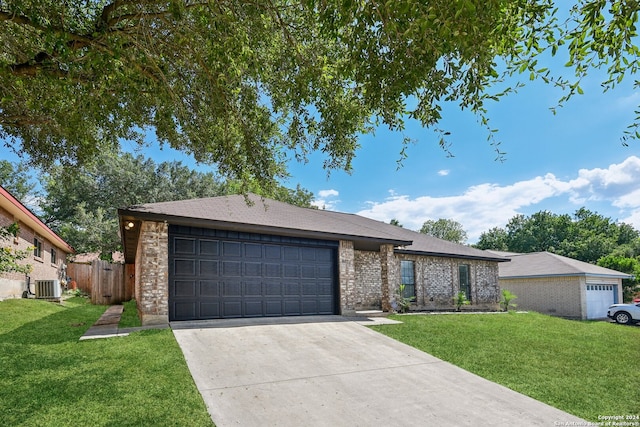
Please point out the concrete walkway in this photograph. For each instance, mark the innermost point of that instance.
(107, 325)
(330, 371)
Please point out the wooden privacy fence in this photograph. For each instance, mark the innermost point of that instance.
(104, 281)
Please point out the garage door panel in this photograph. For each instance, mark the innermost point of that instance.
(309, 307)
(308, 271)
(253, 269)
(231, 290)
(290, 254)
(272, 270)
(253, 308)
(208, 268)
(273, 307)
(324, 272)
(232, 268)
(325, 289)
(599, 298)
(231, 249)
(185, 310)
(209, 288)
(324, 255)
(292, 289)
(273, 289)
(292, 307)
(252, 289)
(309, 289)
(209, 247)
(308, 254)
(184, 245)
(325, 306)
(209, 310)
(272, 252)
(185, 288)
(290, 271)
(184, 267)
(231, 308)
(252, 250)
(248, 275)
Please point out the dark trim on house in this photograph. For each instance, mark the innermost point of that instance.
(450, 255)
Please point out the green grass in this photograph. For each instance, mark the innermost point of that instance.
(584, 368)
(49, 378)
(130, 318)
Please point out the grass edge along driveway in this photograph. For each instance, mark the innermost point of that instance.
(589, 369)
(50, 378)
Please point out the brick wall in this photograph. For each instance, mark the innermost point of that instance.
(347, 277)
(437, 282)
(368, 276)
(378, 278)
(558, 296)
(43, 268)
(152, 273)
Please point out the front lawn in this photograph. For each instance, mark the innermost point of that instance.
(49, 378)
(588, 369)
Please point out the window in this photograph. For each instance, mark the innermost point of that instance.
(37, 247)
(408, 279)
(465, 282)
(53, 256)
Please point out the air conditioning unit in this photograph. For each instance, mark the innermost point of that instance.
(48, 289)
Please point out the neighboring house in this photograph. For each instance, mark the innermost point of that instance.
(222, 257)
(49, 254)
(561, 286)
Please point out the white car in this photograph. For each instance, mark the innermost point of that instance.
(625, 314)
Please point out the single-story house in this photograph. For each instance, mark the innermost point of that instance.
(49, 253)
(561, 286)
(237, 256)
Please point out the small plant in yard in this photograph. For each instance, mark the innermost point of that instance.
(402, 302)
(461, 299)
(76, 293)
(507, 297)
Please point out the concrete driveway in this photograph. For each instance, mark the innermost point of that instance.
(328, 371)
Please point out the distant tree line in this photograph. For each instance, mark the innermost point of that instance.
(586, 236)
(80, 204)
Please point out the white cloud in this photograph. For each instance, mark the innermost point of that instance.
(328, 193)
(323, 201)
(444, 172)
(485, 206)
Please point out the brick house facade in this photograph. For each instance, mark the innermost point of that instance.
(561, 286)
(366, 265)
(47, 261)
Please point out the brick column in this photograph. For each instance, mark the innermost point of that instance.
(347, 277)
(389, 284)
(152, 273)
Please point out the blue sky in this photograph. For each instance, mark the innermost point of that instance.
(556, 162)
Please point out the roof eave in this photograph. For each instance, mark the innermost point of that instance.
(582, 274)
(126, 214)
(450, 255)
(24, 214)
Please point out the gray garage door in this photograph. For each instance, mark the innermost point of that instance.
(216, 274)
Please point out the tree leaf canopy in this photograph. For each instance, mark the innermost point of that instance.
(240, 83)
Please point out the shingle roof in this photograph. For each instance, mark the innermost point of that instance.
(429, 245)
(20, 212)
(271, 216)
(540, 264)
